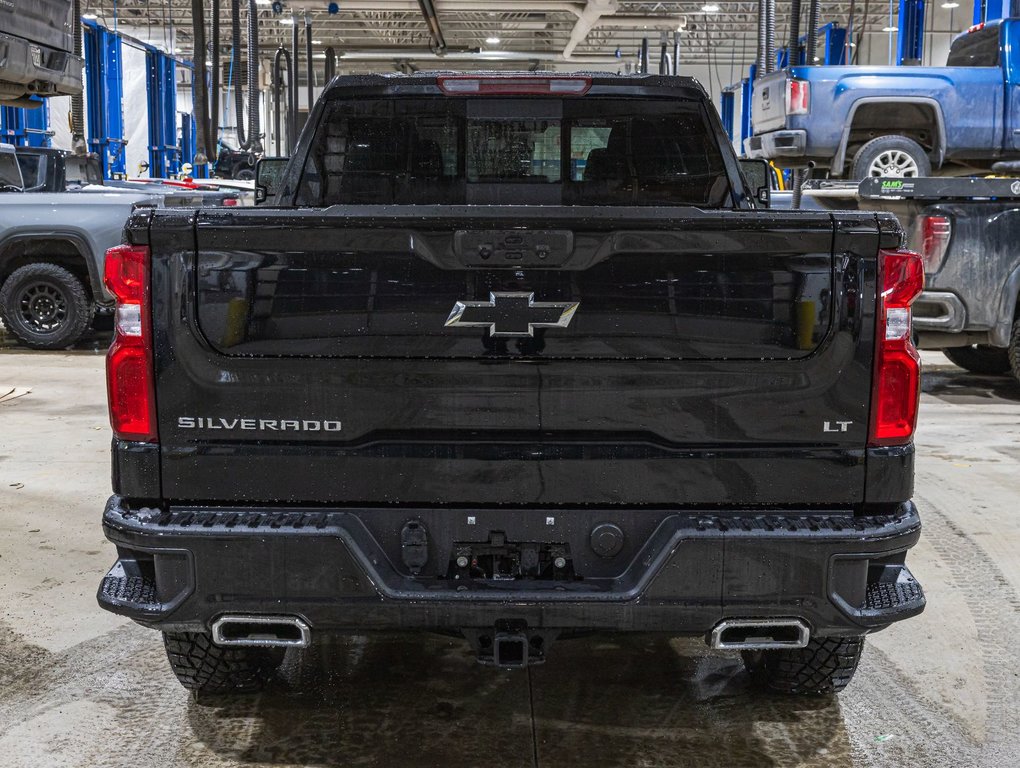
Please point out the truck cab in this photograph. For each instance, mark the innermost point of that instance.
(511, 357)
(10, 173)
(56, 170)
(861, 121)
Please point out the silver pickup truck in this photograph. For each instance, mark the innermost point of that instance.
(52, 246)
(966, 230)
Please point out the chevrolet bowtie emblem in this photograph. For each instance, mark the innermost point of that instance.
(511, 314)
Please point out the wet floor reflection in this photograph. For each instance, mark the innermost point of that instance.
(600, 701)
(955, 385)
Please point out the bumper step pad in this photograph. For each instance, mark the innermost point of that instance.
(134, 590)
(891, 598)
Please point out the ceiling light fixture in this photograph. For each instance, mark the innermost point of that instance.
(286, 20)
(710, 8)
(890, 29)
(493, 40)
(89, 16)
(950, 6)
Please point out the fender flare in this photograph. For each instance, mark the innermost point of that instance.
(839, 159)
(78, 241)
(1000, 333)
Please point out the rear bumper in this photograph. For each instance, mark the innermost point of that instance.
(939, 311)
(179, 570)
(27, 68)
(785, 144)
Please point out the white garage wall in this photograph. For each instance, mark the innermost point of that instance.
(135, 108)
(60, 112)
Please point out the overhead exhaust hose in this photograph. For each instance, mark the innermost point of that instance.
(814, 11)
(330, 68)
(310, 72)
(235, 70)
(254, 142)
(676, 53)
(296, 60)
(761, 40)
(212, 148)
(282, 55)
(201, 105)
(644, 56)
(770, 36)
(77, 102)
(794, 42)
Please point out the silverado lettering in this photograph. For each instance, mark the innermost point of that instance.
(281, 425)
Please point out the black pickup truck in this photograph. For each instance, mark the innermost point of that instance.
(513, 357)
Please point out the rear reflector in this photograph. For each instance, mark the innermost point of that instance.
(935, 232)
(896, 388)
(129, 375)
(504, 86)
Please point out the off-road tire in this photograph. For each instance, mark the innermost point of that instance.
(203, 667)
(66, 295)
(980, 358)
(870, 151)
(825, 666)
(1013, 350)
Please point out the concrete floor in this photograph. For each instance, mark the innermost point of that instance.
(80, 687)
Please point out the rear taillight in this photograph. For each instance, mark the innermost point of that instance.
(897, 382)
(129, 375)
(229, 201)
(510, 85)
(934, 233)
(798, 97)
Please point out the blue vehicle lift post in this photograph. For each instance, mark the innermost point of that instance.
(105, 89)
(910, 37)
(161, 91)
(26, 127)
(726, 109)
(831, 47)
(188, 128)
(990, 10)
(746, 88)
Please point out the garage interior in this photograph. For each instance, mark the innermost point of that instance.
(157, 123)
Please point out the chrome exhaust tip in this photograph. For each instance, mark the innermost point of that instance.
(261, 631)
(760, 634)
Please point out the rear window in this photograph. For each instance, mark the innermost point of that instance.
(514, 151)
(10, 175)
(82, 170)
(976, 49)
(32, 170)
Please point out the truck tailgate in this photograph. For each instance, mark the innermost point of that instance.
(768, 105)
(676, 357)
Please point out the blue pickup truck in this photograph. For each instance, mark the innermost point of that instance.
(861, 121)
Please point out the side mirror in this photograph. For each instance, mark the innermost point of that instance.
(268, 175)
(758, 174)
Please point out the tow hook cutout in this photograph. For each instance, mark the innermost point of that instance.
(414, 546)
